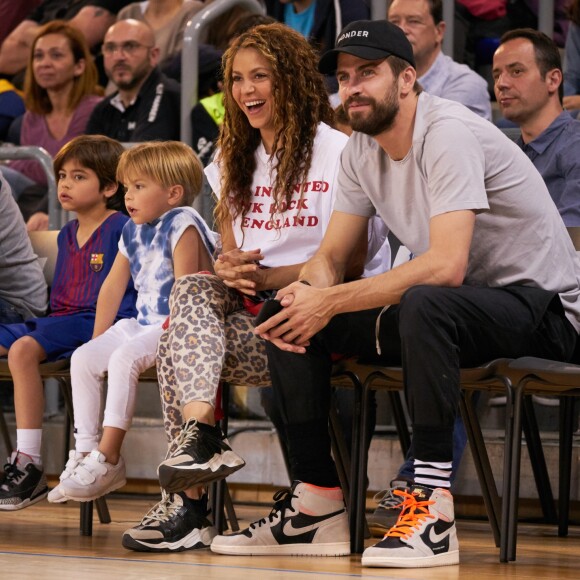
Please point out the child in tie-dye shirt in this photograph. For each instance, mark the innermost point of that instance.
(164, 239)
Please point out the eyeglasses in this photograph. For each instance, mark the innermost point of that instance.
(130, 47)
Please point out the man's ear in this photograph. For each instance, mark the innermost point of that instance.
(440, 31)
(554, 80)
(176, 193)
(407, 80)
(154, 55)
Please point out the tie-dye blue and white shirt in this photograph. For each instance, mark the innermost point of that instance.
(149, 249)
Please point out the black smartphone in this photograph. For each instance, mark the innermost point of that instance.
(271, 306)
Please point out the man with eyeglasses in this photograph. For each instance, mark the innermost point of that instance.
(439, 75)
(146, 104)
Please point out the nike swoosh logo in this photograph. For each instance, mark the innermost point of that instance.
(286, 532)
(436, 536)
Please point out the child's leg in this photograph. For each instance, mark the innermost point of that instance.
(128, 361)
(24, 356)
(24, 482)
(103, 470)
(89, 364)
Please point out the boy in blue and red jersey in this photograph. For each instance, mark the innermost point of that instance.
(85, 169)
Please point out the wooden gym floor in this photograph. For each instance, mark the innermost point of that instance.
(43, 542)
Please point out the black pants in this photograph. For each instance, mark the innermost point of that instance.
(432, 333)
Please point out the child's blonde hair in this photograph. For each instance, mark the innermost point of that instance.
(167, 163)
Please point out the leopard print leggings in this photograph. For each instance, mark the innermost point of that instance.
(209, 339)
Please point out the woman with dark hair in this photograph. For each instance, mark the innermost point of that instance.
(274, 176)
(60, 92)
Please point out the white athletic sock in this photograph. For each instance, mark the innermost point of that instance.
(29, 441)
(433, 474)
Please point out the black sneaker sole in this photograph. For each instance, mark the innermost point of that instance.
(174, 479)
(130, 544)
(24, 504)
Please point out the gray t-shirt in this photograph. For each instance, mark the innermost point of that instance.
(22, 282)
(460, 161)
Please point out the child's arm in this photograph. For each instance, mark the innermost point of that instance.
(190, 255)
(111, 294)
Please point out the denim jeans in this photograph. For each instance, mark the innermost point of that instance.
(8, 313)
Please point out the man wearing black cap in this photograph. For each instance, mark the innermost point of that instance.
(494, 274)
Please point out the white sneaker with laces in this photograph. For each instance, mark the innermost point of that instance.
(93, 478)
(424, 535)
(56, 495)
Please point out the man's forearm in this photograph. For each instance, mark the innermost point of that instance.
(320, 272)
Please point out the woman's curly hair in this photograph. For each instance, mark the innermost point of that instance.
(300, 104)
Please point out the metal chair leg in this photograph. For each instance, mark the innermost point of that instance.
(103, 510)
(538, 461)
(514, 478)
(567, 414)
(5, 434)
(87, 518)
(482, 465)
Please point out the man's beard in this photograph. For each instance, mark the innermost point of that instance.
(381, 117)
(133, 80)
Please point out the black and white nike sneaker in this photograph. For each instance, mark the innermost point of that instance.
(200, 454)
(305, 521)
(424, 535)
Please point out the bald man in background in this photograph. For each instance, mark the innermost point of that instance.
(146, 104)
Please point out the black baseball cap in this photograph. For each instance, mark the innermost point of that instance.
(368, 39)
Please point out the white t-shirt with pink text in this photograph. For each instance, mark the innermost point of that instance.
(296, 233)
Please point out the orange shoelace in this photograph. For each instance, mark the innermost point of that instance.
(413, 514)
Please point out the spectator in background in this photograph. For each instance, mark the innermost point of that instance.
(60, 93)
(479, 25)
(11, 106)
(90, 17)
(572, 59)
(319, 21)
(146, 104)
(528, 87)
(167, 19)
(423, 25)
(13, 13)
(524, 14)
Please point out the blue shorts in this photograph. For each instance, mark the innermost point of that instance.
(59, 336)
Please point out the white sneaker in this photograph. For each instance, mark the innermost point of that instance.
(305, 521)
(93, 478)
(424, 535)
(56, 495)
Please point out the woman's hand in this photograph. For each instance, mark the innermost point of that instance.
(240, 270)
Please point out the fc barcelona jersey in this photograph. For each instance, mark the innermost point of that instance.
(79, 272)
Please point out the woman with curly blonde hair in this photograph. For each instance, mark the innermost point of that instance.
(274, 176)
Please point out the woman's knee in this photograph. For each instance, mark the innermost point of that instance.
(196, 289)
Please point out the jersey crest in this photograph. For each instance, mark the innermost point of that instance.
(96, 262)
